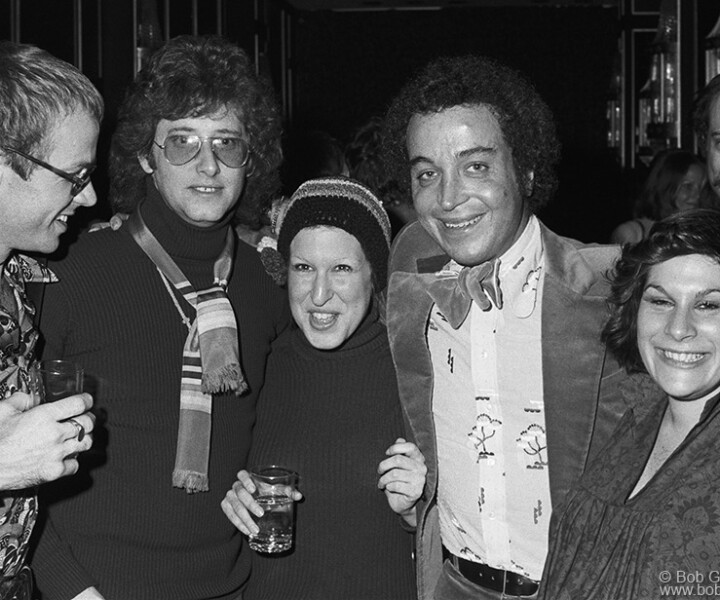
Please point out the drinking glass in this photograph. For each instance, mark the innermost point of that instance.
(51, 380)
(274, 486)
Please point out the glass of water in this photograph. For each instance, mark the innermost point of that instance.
(274, 486)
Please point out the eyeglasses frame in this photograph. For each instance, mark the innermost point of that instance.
(78, 183)
(212, 149)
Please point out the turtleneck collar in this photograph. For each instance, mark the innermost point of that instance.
(367, 334)
(180, 239)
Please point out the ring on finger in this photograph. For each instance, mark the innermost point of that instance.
(79, 429)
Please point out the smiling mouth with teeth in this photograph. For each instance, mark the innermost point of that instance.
(323, 317)
(683, 357)
(322, 320)
(462, 225)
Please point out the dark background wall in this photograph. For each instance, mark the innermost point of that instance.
(347, 67)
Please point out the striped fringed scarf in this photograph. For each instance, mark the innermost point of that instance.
(211, 361)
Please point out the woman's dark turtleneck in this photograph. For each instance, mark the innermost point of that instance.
(194, 249)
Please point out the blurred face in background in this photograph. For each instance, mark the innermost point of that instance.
(713, 147)
(687, 195)
(329, 285)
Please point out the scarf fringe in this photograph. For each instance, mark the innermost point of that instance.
(192, 481)
(225, 379)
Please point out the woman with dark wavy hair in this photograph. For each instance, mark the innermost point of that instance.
(646, 513)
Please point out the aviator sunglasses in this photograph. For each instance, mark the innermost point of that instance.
(79, 180)
(233, 152)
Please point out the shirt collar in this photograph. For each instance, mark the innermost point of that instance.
(521, 268)
(21, 267)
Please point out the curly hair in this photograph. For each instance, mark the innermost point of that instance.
(36, 89)
(195, 76)
(704, 101)
(692, 232)
(667, 170)
(525, 120)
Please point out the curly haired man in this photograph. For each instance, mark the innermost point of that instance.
(494, 324)
(172, 319)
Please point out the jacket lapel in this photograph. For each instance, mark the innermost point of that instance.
(408, 311)
(574, 311)
(414, 259)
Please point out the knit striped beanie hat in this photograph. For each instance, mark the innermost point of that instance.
(344, 203)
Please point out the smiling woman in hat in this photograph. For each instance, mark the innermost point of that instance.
(330, 407)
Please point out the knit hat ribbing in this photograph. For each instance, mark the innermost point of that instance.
(344, 203)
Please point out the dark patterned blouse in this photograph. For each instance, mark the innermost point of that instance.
(18, 509)
(666, 538)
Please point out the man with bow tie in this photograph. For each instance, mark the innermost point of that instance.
(494, 323)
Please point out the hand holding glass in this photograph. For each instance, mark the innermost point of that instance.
(274, 491)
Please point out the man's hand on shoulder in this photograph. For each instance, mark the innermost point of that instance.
(114, 223)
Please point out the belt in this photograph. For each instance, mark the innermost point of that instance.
(512, 584)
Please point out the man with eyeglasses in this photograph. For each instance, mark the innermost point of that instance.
(172, 318)
(49, 121)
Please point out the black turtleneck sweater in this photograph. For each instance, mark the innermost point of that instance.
(330, 415)
(119, 524)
